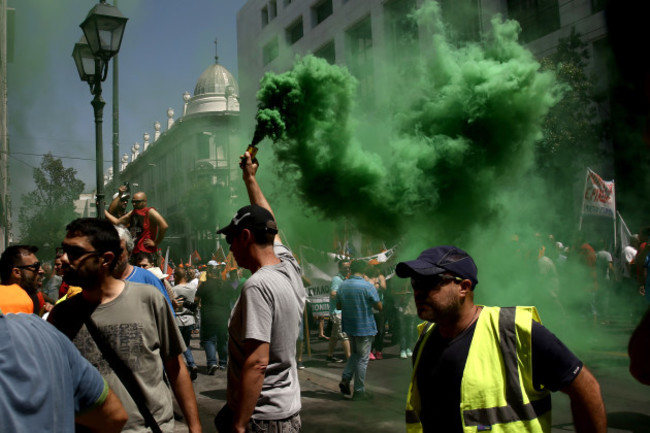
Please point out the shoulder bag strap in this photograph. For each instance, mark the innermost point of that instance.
(124, 373)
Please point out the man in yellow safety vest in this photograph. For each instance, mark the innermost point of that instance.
(478, 368)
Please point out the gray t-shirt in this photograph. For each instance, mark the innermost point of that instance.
(269, 309)
(184, 317)
(140, 327)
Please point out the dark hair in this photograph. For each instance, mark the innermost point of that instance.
(262, 237)
(358, 267)
(101, 234)
(12, 257)
(142, 255)
(179, 274)
(373, 271)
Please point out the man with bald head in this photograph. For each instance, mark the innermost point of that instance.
(146, 225)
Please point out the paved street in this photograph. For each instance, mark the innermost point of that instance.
(325, 410)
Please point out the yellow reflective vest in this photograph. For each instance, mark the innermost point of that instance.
(497, 392)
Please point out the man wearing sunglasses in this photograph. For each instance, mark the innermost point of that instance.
(263, 392)
(132, 319)
(117, 208)
(20, 266)
(486, 368)
(146, 225)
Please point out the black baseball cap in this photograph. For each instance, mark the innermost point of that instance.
(437, 260)
(252, 217)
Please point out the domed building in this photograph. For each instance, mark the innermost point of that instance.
(189, 171)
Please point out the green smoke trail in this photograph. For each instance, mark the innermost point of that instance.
(463, 133)
(447, 156)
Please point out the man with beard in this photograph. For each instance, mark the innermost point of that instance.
(486, 368)
(19, 266)
(132, 319)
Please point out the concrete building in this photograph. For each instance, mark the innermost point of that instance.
(85, 207)
(367, 35)
(186, 170)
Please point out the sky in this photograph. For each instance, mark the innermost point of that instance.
(167, 44)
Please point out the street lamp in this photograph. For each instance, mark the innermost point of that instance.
(103, 30)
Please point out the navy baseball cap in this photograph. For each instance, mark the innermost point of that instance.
(437, 260)
(252, 217)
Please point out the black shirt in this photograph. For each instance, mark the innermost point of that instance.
(440, 372)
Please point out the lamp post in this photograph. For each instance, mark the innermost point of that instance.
(103, 29)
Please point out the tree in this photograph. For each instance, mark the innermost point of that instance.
(573, 130)
(46, 211)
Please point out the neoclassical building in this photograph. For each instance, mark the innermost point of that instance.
(189, 171)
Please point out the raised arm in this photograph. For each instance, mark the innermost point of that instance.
(255, 195)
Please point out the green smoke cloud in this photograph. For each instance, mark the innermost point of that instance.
(462, 134)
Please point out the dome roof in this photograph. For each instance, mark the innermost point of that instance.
(215, 91)
(216, 80)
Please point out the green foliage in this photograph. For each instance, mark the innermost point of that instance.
(46, 211)
(573, 130)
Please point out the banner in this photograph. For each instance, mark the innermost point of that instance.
(318, 296)
(599, 197)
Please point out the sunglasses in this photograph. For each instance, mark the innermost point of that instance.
(34, 267)
(136, 201)
(75, 253)
(431, 283)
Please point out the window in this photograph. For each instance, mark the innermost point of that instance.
(463, 19)
(536, 17)
(359, 57)
(400, 29)
(327, 52)
(265, 16)
(202, 146)
(294, 32)
(321, 11)
(270, 51)
(273, 10)
(597, 6)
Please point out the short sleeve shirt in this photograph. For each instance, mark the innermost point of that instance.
(140, 327)
(269, 310)
(440, 372)
(44, 378)
(357, 297)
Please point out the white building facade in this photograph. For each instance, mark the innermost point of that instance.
(185, 170)
(366, 33)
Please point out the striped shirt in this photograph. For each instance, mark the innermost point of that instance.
(357, 297)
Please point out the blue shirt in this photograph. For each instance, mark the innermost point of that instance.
(44, 378)
(357, 297)
(336, 283)
(139, 275)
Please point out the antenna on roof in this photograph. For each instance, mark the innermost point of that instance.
(216, 55)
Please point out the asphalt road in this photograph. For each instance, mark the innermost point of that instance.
(326, 411)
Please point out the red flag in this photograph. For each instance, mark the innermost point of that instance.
(195, 257)
(166, 268)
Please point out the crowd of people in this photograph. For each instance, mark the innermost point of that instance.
(132, 326)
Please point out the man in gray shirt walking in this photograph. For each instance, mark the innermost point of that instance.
(263, 390)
